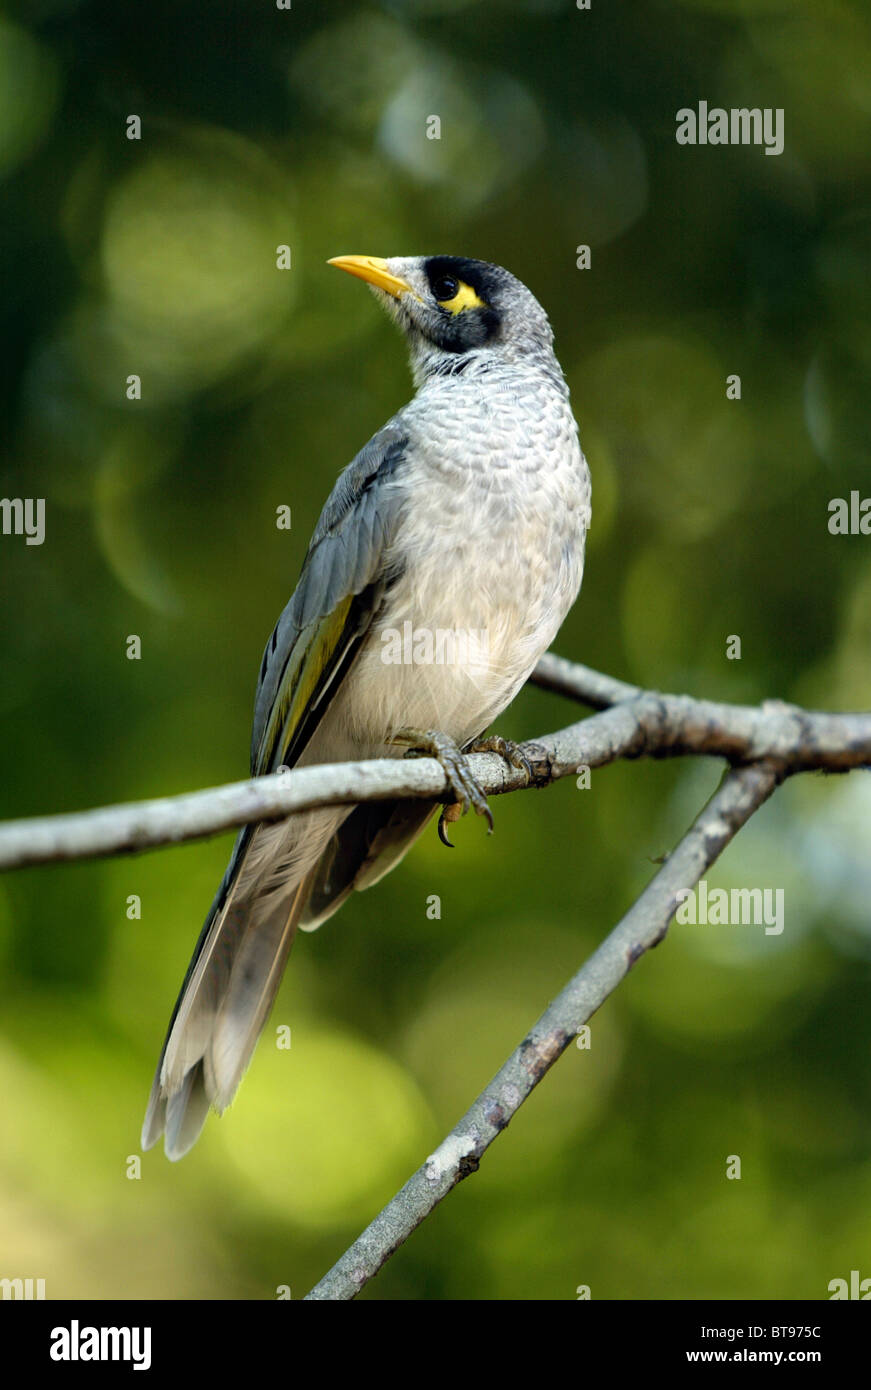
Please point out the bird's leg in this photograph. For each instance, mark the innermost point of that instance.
(507, 749)
(432, 743)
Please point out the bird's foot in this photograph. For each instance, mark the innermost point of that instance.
(506, 748)
(432, 743)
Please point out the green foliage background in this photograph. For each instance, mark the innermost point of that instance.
(307, 127)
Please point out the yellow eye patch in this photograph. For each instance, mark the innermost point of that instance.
(465, 298)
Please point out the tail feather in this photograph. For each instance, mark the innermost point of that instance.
(250, 992)
(186, 1113)
(154, 1123)
(233, 978)
(364, 848)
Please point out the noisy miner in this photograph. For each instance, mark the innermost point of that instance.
(465, 515)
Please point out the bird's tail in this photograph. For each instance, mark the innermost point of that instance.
(233, 977)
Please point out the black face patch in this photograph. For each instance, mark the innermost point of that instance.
(471, 327)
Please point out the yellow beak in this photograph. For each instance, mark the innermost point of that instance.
(374, 271)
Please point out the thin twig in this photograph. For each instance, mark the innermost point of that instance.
(579, 682)
(741, 793)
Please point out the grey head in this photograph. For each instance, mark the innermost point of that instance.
(453, 311)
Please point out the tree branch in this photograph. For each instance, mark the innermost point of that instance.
(645, 924)
(632, 724)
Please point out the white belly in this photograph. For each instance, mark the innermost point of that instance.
(490, 546)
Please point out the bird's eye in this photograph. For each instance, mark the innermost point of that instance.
(445, 288)
(455, 295)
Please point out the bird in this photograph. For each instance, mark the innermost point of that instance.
(466, 513)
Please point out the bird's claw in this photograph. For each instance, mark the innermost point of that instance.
(432, 743)
(506, 748)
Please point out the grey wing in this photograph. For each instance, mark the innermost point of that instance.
(340, 589)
